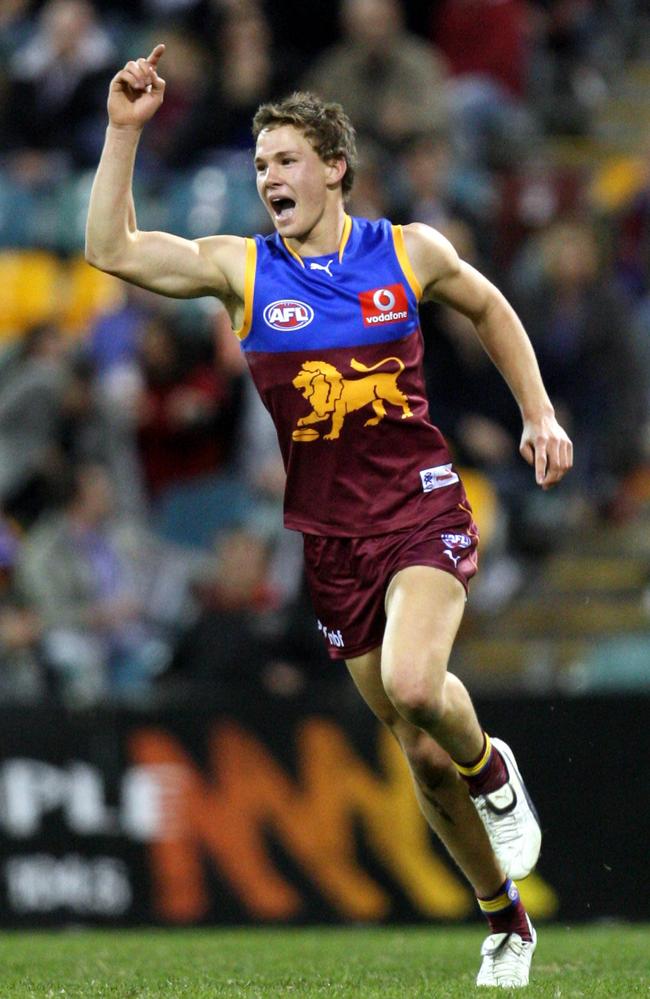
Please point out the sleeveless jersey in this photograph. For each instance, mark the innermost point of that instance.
(335, 349)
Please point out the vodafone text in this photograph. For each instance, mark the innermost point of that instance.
(384, 305)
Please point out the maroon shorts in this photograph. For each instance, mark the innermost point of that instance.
(348, 577)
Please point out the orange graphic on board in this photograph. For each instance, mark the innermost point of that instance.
(332, 397)
(231, 810)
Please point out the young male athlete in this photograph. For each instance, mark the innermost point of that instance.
(327, 313)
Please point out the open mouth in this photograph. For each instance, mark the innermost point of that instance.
(283, 208)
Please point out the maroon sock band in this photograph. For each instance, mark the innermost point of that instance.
(511, 916)
(510, 920)
(493, 775)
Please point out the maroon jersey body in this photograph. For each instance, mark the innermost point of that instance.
(335, 349)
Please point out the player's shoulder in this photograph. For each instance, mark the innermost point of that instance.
(424, 237)
(223, 245)
(431, 254)
(224, 259)
(224, 249)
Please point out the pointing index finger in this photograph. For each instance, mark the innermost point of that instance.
(156, 53)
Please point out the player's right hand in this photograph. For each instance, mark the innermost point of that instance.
(136, 92)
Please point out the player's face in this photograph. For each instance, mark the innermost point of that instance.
(292, 180)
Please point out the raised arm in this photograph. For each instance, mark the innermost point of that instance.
(168, 264)
(447, 279)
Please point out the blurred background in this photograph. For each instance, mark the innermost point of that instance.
(155, 630)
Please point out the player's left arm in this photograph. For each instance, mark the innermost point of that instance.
(448, 279)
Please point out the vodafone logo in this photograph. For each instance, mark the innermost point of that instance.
(384, 305)
(288, 314)
(384, 299)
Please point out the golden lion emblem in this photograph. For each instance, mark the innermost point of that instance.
(332, 397)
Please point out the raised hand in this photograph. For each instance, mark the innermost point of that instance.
(136, 92)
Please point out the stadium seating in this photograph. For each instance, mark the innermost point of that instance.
(30, 281)
(38, 286)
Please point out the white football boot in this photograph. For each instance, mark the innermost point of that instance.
(510, 820)
(506, 960)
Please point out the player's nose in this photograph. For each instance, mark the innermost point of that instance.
(272, 177)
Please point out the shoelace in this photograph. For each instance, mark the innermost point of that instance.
(507, 825)
(505, 960)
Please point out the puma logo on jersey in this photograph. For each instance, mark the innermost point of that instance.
(314, 266)
(454, 558)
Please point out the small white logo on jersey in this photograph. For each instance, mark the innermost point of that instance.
(456, 540)
(333, 637)
(454, 558)
(288, 314)
(436, 478)
(383, 299)
(322, 267)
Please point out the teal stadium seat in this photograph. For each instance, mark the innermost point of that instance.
(613, 666)
(194, 513)
(18, 213)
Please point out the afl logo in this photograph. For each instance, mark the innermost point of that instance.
(383, 299)
(288, 314)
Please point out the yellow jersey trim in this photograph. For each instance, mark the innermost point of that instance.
(405, 263)
(476, 769)
(293, 253)
(249, 288)
(345, 235)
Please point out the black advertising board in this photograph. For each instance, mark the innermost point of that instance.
(274, 811)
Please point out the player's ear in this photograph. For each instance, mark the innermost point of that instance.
(336, 169)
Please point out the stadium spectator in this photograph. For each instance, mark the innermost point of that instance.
(108, 595)
(391, 81)
(488, 48)
(22, 672)
(490, 40)
(227, 644)
(58, 82)
(32, 374)
(94, 428)
(246, 631)
(374, 188)
(181, 408)
(437, 188)
(580, 45)
(580, 325)
(170, 142)
(628, 226)
(246, 68)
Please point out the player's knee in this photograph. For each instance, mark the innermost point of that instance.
(415, 697)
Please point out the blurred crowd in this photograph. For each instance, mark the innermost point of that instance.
(141, 546)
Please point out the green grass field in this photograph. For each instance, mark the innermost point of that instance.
(390, 963)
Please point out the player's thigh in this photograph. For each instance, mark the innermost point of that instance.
(365, 671)
(424, 608)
